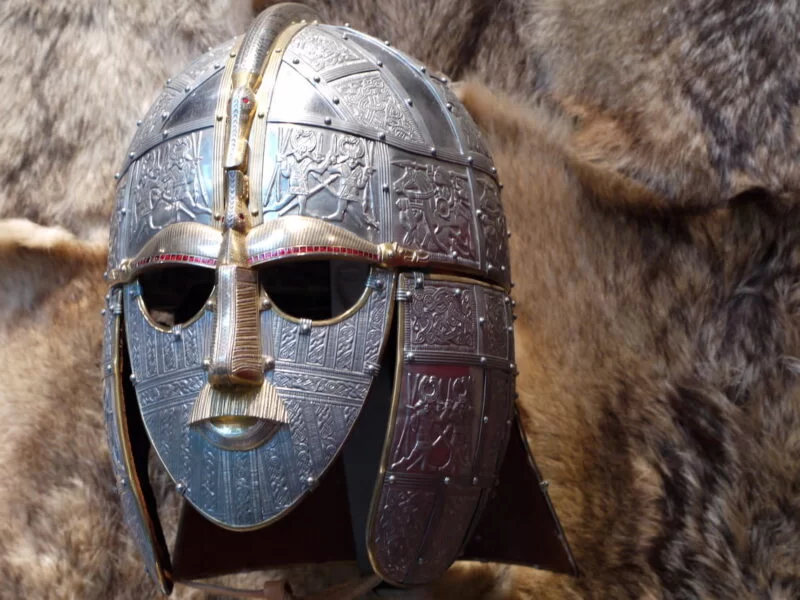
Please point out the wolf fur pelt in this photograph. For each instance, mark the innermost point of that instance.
(650, 153)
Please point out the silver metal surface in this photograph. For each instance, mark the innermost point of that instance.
(320, 378)
(454, 394)
(304, 141)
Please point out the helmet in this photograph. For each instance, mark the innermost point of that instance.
(309, 317)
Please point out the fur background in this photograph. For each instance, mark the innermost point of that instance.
(649, 152)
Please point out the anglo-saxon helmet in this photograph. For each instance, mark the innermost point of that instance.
(309, 318)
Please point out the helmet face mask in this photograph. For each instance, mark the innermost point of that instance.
(292, 197)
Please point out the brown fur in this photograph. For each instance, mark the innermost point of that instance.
(650, 175)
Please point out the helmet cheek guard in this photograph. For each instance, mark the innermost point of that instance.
(296, 202)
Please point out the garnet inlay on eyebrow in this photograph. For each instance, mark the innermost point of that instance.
(174, 258)
(340, 250)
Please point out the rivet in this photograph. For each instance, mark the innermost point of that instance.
(544, 485)
(379, 63)
(133, 379)
(483, 360)
(266, 304)
(295, 61)
(481, 320)
(386, 187)
(449, 106)
(103, 312)
(508, 234)
(457, 292)
(345, 37)
(479, 212)
(169, 81)
(327, 120)
(217, 216)
(261, 115)
(164, 115)
(409, 356)
(139, 123)
(500, 185)
(509, 329)
(454, 254)
(347, 24)
(165, 133)
(422, 68)
(513, 304)
(420, 561)
(381, 136)
(305, 325)
(232, 55)
(219, 117)
(336, 100)
(470, 160)
(310, 480)
(206, 363)
(433, 150)
(123, 211)
(485, 420)
(109, 368)
(387, 42)
(493, 170)
(181, 488)
(217, 66)
(391, 478)
(316, 79)
(187, 89)
(508, 422)
(443, 80)
(278, 50)
(123, 481)
(269, 363)
(447, 481)
(409, 101)
(117, 175)
(131, 154)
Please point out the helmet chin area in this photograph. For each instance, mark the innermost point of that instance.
(238, 432)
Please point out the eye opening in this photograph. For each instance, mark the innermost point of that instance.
(175, 295)
(319, 290)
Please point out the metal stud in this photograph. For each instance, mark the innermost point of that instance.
(261, 115)
(165, 133)
(481, 320)
(295, 61)
(483, 360)
(131, 154)
(164, 116)
(305, 326)
(117, 175)
(474, 481)
(269, 363)
(133, 379)
(449, 106)
(409, 356)
(433, 150)
(316, 79)
(139, 123)
(379, 63)
(485, 420)
(446, 481)
(219, 117)
(181, 488)
(457, 292)
(409, 101)
(335, 100)
(187, 89)
(327, 121)
(470, 160)
(544, 485)
(381, 136)
(109, 368)
(386, 187)
(392, 478)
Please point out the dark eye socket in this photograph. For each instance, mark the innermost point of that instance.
(314, 289)
(173, 295)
